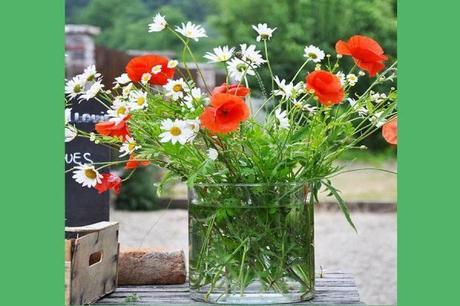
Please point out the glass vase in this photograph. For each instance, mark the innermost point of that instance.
(251, 244)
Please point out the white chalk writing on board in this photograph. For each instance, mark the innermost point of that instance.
(78, 158)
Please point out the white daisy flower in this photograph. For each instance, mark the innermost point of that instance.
(159, 23)
(361, 73)
(156, 69)
(341, 77)
(352, 102)
(175, 131)
(251, 55)
(172, 64)
(237, 69)
(194, 126)
(75, 86)
(352, 79)
(118, 109)
(377, 97)
(288, 90)
(92, 91)
(129, 146)
(192, 31)
(314, 53)
(264, 31)
(309, 108)
(145, 78)
(122, 79)
(70, 133)
(362, 111)
(212, 154)
(127, 89)
(297, 104)
(90, 74)
(193, 96)
(87, 175)
(377, 119)
(282, 118)
(138, 100)
(175, 89)
(221, 54)
(67, 115)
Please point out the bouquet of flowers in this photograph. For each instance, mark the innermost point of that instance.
(252, 182)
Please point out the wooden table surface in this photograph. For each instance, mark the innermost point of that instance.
(331, 288)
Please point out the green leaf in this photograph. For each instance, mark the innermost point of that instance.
(193, 176)
(167, 177)
(341, 203)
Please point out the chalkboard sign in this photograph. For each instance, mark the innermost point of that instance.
(85, 205)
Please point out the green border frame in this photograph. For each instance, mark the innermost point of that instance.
(32, 180)
(428, 152)
(32, 151)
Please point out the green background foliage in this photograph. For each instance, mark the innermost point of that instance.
(138, 193)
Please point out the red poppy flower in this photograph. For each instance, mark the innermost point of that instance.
(114, 129)
(390, 131)
(366, 52)
(139, 65)
(326, 86)
(109, 181)
(225, 113)
(134, 163)
(232, 89)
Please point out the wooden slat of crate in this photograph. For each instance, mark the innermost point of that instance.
(90, 280)
(332, 288)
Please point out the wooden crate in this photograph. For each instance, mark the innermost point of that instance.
(91, 262)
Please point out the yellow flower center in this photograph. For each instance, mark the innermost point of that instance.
(90, 173)
(131, 146)
(140, 101)
(312, 55)
(241, 67)
(121, 110)
(175, 131)
(177, 88)
(77, 88)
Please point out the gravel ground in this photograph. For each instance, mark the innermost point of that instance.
(370, 255)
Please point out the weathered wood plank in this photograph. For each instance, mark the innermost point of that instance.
(332, 288)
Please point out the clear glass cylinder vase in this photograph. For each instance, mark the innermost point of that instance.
(251, 244)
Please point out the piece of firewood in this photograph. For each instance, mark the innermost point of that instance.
(151, 267)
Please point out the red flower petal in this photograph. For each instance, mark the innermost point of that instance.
(225, 113)
(139, 65)
(341, 47)
(114, 129)
(109, 181)
(390, 131)
(326, 87)
(366, 52)
(135, 163)
(232, 89)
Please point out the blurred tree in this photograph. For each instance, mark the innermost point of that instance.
(139, 192)
(304, 22)
(125, 26)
